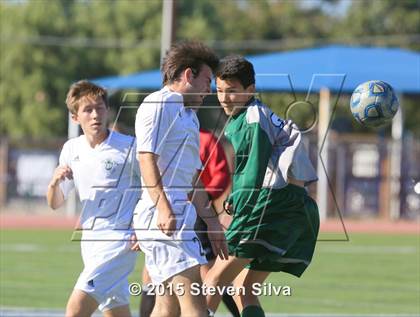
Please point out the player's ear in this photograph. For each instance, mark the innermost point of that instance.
(188, 75)
(250, 89)
(74, 118)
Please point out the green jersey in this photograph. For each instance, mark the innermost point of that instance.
(268, 150)
(274, 223)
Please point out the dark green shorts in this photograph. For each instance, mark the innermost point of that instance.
(280, 232)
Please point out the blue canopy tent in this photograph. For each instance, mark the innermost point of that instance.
(335, 67)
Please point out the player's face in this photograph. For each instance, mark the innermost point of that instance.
(198, 87)
(232, 95)
(92, 116)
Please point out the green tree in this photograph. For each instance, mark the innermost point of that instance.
(382, 22)
(387, 23)
(47, 45)
(27, 84)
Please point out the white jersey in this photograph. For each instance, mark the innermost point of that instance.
(166, 128)
(107, 180)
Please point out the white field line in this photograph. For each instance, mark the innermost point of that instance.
(36, 248)
(343, 249)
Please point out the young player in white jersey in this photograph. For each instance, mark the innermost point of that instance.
(167, 131)
(101, 166)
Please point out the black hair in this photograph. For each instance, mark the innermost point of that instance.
(236, 67)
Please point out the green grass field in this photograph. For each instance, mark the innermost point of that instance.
(370, 274)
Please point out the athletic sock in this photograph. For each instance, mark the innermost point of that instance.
(230, 305)
(253, 311)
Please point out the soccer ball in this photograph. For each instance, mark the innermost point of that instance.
(374, 103)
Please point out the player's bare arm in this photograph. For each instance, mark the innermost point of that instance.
(166, 220)
(214, 229)
(55, 197)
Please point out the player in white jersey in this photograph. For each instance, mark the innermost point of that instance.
(167, 131)
(101, 166)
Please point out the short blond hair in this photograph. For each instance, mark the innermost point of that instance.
(81, 89)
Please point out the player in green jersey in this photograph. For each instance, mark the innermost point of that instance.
(275, 222)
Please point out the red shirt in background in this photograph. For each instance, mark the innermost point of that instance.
(215, 175)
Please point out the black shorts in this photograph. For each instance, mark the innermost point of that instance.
(201, 231)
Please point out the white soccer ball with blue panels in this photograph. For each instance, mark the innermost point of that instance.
(374, 103)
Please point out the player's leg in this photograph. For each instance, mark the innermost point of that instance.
(121, 311)
(247, 278)
(80, 304)
(166, 305)
(227, 299)
(191, 305)
(238, 282)
(201, 228)
(223, 273)
(205, 268)
(147, 301)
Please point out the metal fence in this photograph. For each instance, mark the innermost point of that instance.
(359, 175)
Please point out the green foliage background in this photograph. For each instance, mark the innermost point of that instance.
(47, 45)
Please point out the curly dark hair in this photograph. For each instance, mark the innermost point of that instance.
(187, 55)
(236, 67)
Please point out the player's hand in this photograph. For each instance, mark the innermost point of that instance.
(217, 238)
(135, 245)
(60, 174)
(225, 220)
(166, 222)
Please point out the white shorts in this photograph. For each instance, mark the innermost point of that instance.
(168, 256)
(105, 275)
